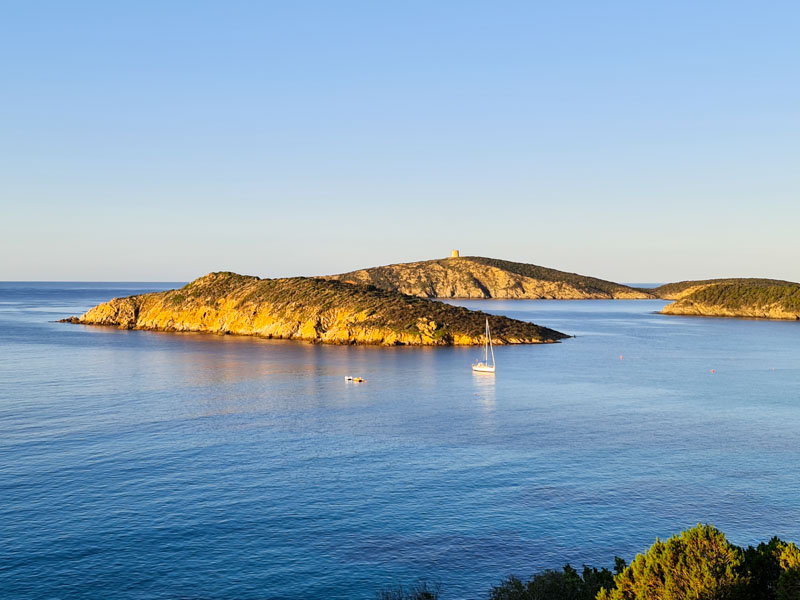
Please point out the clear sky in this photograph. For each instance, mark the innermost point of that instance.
(635, 141)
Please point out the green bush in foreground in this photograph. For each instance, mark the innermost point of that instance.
(566, 584)
(696, 564)
(418, 591)
(789, 579)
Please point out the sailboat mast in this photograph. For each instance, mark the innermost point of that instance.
(486, 344)
(489, 336)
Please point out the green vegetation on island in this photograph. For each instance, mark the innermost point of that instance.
(755, 298)
(310, 309)
(679, 289)
(696, 564)
(480, 277)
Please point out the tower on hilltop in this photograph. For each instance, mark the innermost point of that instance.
(454, 254)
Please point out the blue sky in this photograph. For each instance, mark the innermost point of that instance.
(634, 141)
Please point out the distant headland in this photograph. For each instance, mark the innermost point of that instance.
(310, 309)
(744, 298)
(480, 277)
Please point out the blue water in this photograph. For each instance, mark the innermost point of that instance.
(141, 465)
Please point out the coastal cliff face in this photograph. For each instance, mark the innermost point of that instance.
(751, 300)
(313, 310)
(479, 277)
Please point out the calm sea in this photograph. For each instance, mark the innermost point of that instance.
(139, 465)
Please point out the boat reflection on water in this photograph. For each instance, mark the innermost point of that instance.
(484, 386)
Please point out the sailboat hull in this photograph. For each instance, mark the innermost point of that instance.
(482, 368)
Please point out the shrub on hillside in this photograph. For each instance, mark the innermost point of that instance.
(697, 564)
(566, 584)
(418, 591)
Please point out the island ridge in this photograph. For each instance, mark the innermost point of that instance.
(481, 277)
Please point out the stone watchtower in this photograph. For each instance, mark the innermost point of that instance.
(454, 254)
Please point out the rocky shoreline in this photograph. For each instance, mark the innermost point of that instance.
(747, 299)
(312, 310)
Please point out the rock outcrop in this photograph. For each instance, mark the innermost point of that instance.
(314, 310)
(479, 277)
(753, 299)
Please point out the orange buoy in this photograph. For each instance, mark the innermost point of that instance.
(713, 371)
(620, 356)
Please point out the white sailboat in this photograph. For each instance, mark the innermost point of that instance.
(484, 366)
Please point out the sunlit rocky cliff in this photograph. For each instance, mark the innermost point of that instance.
(479, 277)
(314, 310)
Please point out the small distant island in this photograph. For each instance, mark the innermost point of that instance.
(681, 289)
(744, 298)
(310, 309)
(480, 277)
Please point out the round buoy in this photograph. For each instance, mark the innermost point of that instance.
(620, 356)
(713, 371)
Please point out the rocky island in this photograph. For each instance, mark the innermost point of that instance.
(681, 289)
(480, 277)
(745, 298)
(310, 309)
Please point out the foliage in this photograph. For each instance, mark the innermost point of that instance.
(566, 584)
(468, 270)
(304, 298)
(383, 308)
(748, 295)
(697, 564)
(589, 284)
(217, 284)
(418, 591)
(789, 579)
(761, 570)
(670, 290)
(771, 571)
